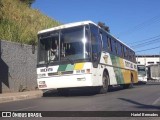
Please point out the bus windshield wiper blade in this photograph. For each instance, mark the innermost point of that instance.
(70, 60)
(48, 62)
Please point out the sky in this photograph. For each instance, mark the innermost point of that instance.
(134, 22)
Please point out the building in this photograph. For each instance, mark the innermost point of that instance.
(148, 59)
(152, 63)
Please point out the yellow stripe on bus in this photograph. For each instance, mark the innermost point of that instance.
(78, 66)
(126, 76)
(121, 62)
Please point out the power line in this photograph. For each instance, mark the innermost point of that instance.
(142, 25)
(148, 49)
(147, 43)
(144, 40)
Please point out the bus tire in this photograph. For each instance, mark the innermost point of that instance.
(104, 87)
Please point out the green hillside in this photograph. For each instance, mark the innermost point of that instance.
(20, 23)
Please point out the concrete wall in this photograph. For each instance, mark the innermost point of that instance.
(17, 67)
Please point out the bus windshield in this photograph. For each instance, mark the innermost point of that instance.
(68, 44)
(141, 70)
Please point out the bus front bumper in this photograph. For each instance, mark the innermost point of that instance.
(68, 81)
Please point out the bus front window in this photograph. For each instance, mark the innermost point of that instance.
(72, 44)
(141, 70)
(69, 44)
(48, 49)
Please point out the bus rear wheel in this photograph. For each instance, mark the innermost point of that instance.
(104, 87)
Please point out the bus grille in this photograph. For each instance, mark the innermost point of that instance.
(60, 73)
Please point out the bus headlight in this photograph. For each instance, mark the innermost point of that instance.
(78, 71)
(88, 71)
(83, 71)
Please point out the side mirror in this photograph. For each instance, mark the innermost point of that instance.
(95, 57)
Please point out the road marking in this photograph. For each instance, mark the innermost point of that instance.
(25, 108)
(156, 101)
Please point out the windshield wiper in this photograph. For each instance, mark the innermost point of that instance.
(70, 60)
(48, 62)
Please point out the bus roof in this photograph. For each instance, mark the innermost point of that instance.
(66, 26)
(78, 24)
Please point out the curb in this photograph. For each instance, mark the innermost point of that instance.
(17, 97)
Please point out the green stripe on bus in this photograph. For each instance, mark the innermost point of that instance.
(62, 67)
(113, 60)
(118, 72)
(69, 67)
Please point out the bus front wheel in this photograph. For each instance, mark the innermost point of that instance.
(104, 87)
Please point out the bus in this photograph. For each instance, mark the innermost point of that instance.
(142, 74)
(80, 55)
(154, 72)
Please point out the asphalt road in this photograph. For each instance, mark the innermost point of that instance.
(140, 98)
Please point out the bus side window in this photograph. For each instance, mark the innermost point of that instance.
(113, 46)
(109, 44)
(104, 40)
(119, 52)
(122, 49)
(125, 52)
(130, 55)
(134, 57)
(116, 47)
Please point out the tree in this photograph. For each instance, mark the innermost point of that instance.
(1, 5)
(28, 2)
(105, 27)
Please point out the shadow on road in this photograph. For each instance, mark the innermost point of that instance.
(71, 93)
(79, 92)
(153, 83)
(140, 105)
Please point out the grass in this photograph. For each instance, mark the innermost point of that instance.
(20, 23)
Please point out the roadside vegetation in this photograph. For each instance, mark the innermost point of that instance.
(20, 23)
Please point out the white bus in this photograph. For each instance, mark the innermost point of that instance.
(82, 54)
(142, 73)
(154, 72)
